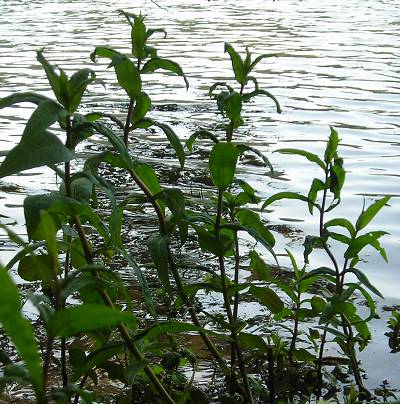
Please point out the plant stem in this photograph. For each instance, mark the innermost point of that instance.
(227, 304)
(271, 376)
(175, 273)
(319, 369)
(346, 324)
(46, 362)
(89, 259)
(128, 121)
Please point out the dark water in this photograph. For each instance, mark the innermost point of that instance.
(339, 66)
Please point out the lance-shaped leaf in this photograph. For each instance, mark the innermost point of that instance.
(261, 57)
(362, 241)
(138, 37)
(332, 145)
(158, 247)
(222, 164)
(77, 86)
(286, 195)
(37, 147)
(237, 64)
(173, 140)
(22, 97)
(309, 156)
(203, 134)
(20, 331)
(142, 106)
(364, 280)
(128, 75)
(243, 148)
(165, 64)
(268, 298)
(58, 82)
(367, 215)
(341, 222)
(248, 96)
(86, 317)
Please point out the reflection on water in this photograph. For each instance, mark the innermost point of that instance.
(340, 66)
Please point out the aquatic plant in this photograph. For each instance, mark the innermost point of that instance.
(73, 248)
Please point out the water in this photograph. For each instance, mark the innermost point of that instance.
(339, 66)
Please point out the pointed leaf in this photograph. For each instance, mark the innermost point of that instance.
(367, 215)
(268, 298)
(309, 156)
(85, 317)
(20, 330)
(237, 64)
(158, 247)
(165, 64)
(222, 164)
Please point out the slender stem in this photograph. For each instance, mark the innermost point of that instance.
(227, 304)
(46, 362)
(122, 329)
(320, 358)
(81, 384)
(295, 330)
(175, 273)
(346, 324)
(271, 376)
(128, 121)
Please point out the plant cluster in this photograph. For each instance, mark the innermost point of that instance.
(101, 335)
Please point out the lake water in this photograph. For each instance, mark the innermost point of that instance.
(340, 66)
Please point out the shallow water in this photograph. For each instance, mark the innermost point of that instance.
(339, 66)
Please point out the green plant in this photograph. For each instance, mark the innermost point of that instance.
(340, 311)
(73, 248)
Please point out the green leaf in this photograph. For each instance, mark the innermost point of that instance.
(362, 241)
(261, 57)
(310, 242)
(309, 156)
(248, 96)
(32, 206)
(148, 176)
(364, 280)
(20, 331)
(77, 86)
(337, 178)
(37, 146)
(142, 282)
(209, 243)
(331, 147)
(128, 75)
(85, 317)
(158, 247)
(98, 357)
(286, 195)
(341, 223)
(316, 186)
(367, 215)
(252, 341)
(202, 133)
(57, 82)
(243, 148)
(23, 97)
(237, 64)
(232, 106)
(133, 369)
(152, 31)
(35, 268)
(222, 164)
(165, 64)
(268, 298)
(303, 355)
(174, 141)
(104, 51)
(142, 106)
(251, 220)
(138, 37)
(172, 327)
